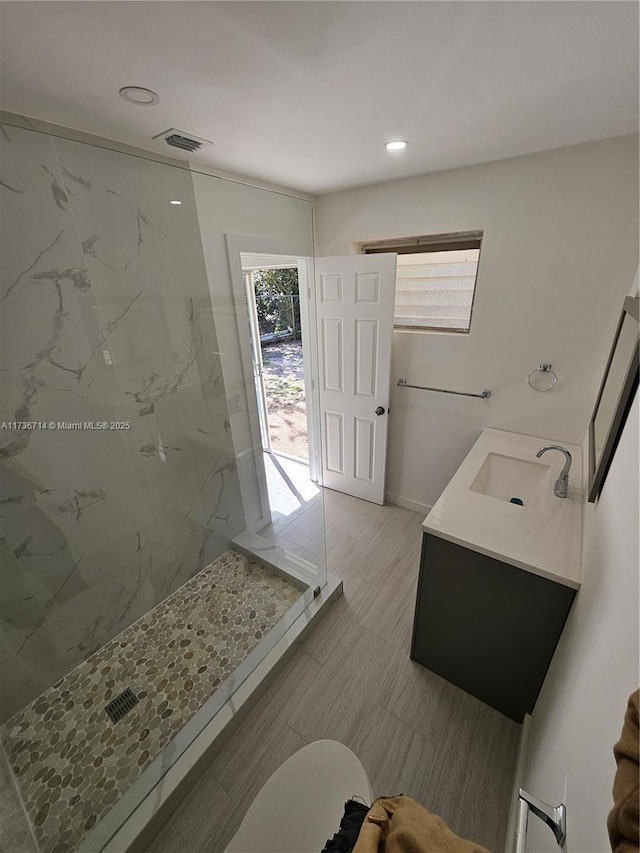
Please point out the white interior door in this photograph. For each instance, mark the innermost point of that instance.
(355, 298)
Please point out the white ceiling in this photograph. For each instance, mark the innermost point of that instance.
(304, 93)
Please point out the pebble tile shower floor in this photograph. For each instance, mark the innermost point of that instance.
(71, 762)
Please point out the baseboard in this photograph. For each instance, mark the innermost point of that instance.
(518, 778)
(407, 503)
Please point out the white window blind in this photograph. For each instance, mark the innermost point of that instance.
(434, 290)
(435, 279)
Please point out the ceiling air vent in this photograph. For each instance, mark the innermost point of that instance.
(183, 141)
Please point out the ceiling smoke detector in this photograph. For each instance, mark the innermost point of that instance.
(182, 140)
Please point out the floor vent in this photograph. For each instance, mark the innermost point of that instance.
(121, 705)
(183, 141)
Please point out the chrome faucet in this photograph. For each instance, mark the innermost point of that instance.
(561, 485)
(554, 816)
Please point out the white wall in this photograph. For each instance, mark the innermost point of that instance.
(560, 247)
(579, 714)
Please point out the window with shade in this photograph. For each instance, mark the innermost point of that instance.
(435, 280)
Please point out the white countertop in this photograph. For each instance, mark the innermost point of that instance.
(544, 536)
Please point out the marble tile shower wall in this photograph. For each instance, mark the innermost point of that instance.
(106, 318)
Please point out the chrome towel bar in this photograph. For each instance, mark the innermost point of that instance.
(484, 393)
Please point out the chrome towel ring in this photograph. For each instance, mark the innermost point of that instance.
(543, 378)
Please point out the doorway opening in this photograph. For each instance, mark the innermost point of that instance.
(279, 357)
(277, 290)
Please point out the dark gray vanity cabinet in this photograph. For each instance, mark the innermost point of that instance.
(486, 626)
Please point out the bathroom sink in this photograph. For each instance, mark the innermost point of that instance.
(544, 536)
(507, 477)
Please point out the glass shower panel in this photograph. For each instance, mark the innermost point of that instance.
(128, 489)
(285, 511)
(125, 488)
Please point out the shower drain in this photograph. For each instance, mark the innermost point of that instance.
(121, 705)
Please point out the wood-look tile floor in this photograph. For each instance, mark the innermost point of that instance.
(352, 681)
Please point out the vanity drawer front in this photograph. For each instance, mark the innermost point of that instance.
(486, 626)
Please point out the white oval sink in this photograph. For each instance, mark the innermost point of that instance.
(507, 477)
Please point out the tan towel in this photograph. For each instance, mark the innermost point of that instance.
(400, 825)
(624, 818)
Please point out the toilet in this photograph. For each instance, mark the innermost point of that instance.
(300, 807)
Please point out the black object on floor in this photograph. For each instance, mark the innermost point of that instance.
(345, 838)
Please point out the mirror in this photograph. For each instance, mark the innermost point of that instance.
(615, 396)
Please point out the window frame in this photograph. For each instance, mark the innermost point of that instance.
(447, 242)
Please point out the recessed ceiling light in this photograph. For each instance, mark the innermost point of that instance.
(395, 145)
(139, 96)
(175, 202)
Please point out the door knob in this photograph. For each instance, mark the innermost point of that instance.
(380, 410)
